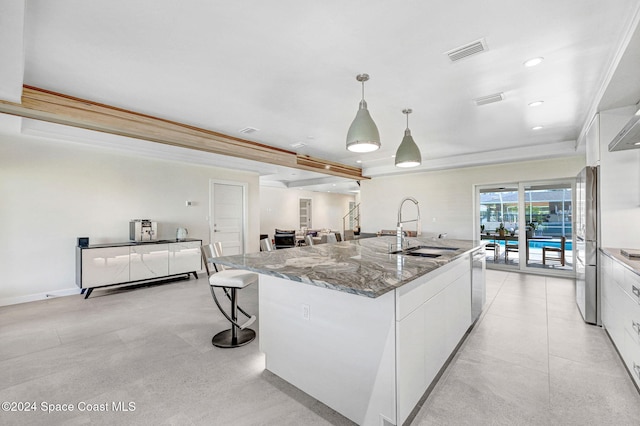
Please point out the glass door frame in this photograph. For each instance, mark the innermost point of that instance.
(522, 242)
(502, 186)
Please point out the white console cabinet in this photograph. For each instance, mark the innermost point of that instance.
(148, 261)
(106, 265)
(184, 256)
(621, 308)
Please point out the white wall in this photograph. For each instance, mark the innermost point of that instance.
(619, 185)
(53, 192)
(446, 197)
(279, 209)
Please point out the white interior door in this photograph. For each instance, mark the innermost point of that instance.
(227, 216)
(305, 213)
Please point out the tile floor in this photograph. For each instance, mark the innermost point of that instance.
(530, 360)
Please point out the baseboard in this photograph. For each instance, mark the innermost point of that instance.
(39, 296)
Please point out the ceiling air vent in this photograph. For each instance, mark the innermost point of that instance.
(489, 99)
(467, 50)
(248, 130)
(297, 145)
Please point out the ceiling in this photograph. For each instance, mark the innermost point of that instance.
(288, 69)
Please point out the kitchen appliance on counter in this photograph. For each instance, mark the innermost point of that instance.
(143, 230)
(182, 234)
(587, 244)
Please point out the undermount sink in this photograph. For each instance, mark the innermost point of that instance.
(426, 251)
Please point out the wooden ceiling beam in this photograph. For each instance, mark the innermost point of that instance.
(58, 108)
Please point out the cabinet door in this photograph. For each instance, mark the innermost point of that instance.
(103, 266)
(606, 281)
(429, 333)
(185, 257)
(149, 261)
(421, 351)
(458, 302)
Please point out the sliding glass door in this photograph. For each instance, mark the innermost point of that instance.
(528, 225)
(499, 224)
(549, 215)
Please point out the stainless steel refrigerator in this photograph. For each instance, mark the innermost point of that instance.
(587, 243)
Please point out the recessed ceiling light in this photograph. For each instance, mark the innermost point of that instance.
(248, 130)
(393, 156)
(533, 61)
(536, 103)
(637, 143)
(358, 161)
(536, 128)
(298, 145)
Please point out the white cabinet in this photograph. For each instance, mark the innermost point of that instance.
(148, 261)
(185, 257)
(621, 311)
(433, 316)
(102, 266)
(105, 265)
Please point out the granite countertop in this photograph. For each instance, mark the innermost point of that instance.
(361, 267)
(139, 243)
(614, 253)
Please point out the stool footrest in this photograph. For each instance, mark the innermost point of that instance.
(248, 322)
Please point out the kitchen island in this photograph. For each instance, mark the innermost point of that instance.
(361, 330)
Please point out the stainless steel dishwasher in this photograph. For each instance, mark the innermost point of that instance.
(478, 290)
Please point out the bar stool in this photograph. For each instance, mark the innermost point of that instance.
(230, 280)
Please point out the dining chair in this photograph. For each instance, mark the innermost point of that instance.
(265, 245)
(509, 248)
(230, 281)
(552, 249)
(495, 247)
(308, 239)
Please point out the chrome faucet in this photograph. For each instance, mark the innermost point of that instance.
(399, 236)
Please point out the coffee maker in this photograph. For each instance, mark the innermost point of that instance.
(143, 230)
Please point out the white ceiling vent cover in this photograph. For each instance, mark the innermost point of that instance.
(248, 130)
(467, 50)
(489, 99)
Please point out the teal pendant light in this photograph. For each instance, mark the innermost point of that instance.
(363, 134)
(408, 154)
